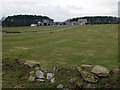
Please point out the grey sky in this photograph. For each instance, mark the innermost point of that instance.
(60, 9)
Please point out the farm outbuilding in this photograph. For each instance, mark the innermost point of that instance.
(82, 21)
(45, 22)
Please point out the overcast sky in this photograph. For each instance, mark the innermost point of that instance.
(60, 10)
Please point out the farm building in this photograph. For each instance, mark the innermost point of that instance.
(82, 21)
(32, 25)
(59, 23)
(45, 22)
(78, 22)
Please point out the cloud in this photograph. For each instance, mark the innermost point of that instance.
(57, 12)
(74, 7)
(107, 8)
(60, 9)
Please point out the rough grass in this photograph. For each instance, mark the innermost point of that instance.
(15, 74)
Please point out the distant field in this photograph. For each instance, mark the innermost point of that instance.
(89, 44)
(28, 28)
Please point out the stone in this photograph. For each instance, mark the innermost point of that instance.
(37, 68)
(60, 86)
(39, 74)
(32, 63)
(55, 69)
(50, 75)
(79, 69)
(79, 84)
(50, 70)
(31, 78)
(18, 86)
(45, 70)
(73, 80)
(89, 77)
(89, 85)
(40, 80)
(100, 71)
(86, 67)
(115, 70)
(66, 89)
(32, 73)
(52, 80)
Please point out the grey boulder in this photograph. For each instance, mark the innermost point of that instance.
(39, 74)
(100, 71)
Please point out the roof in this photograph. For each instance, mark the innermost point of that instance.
(82, 20)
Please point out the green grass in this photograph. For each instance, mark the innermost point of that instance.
(89, 44)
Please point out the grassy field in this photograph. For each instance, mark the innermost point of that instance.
(89, 44)
(92, 44)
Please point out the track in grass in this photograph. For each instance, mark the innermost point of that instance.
(49, 31)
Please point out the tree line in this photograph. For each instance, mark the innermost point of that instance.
(23, 20)
(27, 20)
(98, 19)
